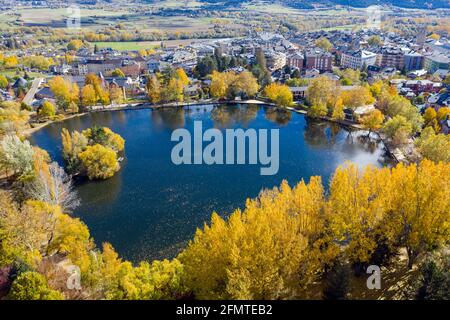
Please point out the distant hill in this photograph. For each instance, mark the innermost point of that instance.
(309, 4)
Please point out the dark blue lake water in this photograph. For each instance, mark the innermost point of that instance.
(151, 208)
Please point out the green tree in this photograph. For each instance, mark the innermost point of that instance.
(324, 44)
(398, 129)
(434, 280)
(375, 41)
(337, 282)
(16, 156)
(206, 66)
(432, 146)
(32, 286)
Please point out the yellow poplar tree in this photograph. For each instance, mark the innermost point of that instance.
(100, 162)
(419, 207)
(372, 121)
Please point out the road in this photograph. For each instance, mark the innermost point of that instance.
(30, 94)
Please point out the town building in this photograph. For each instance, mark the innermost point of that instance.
(358, 59)
(318, 59)
(435, 62)
(390, 56)
(296, 60)
(275, 60)
(413, 61)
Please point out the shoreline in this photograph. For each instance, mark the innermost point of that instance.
(28, 132)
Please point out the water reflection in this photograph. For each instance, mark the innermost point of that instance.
(278, 116)
(318, 134)
(168, 118)
(231, 115)
(110, 191)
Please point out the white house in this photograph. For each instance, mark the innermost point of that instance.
(358, 59)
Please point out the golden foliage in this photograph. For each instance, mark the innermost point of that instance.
(100, 162)
(280, 94)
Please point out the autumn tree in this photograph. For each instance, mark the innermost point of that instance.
(246, 84)
(419, 214)
(229, 84)
(261, 252)
(280, 94)
(219, 85)
(28, 230)
(443, 113)
(47, 110)
(13, 119)
(180, 74)
(356, 204)
(88, 96)
(322, 91)
(100, 162)
(350, 76)
(116, 94)
(72, 108)
(16, 156)
(74, 45)
(372, 121)
(104, 136)
(394, 105)
(324, 44)
(52, 185)
(430, 119)
(174, 91)
(398, 129)
(338, 110)
(153, 89)
(432, 146)
(360, 96)
(3, 81)
(118, 73)
(158, 280)
(317, 110)
(64, 91)
(10, 62)
(101, 95)
(73, 144)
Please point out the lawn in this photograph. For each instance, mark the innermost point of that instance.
(14, 74)
(137, 45)
(128, 46)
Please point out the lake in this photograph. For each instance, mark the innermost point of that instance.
(152, 207)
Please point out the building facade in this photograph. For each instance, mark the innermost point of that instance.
(358, 59)
(318, 59)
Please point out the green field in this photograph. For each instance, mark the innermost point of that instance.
(13, 74)
(137, 45)
(127, 46)
(57, 17)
